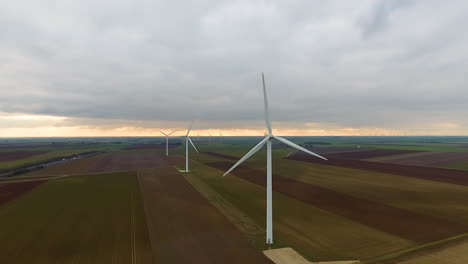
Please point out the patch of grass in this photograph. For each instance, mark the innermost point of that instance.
(85, 219)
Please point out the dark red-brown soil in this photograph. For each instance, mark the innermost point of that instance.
(431, 159)
(459, 177)
(328, 150)
(367, 154)
(11, 191)
(148, 146)
(109, 162)
(133, 161)
(400, 222)
(17, 155)
(185, 228)
(221, 155)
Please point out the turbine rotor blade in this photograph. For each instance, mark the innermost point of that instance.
(248, 155)
(190, 128)
(172, 132)
(289, 143)
(267, 109)
(192, 144)
(163, 133)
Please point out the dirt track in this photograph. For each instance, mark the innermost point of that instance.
(185, 228)
(400, 222)
(459, 177)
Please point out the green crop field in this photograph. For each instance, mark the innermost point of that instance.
(84, 219)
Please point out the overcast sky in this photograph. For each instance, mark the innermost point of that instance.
(122, 67)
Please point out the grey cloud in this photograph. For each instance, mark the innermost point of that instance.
(343, 63)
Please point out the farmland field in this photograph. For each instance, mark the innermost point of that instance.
(430, 159)
(185, 228)
(315, 233)
(10, 191)
(434, 174)
(366, 154)
(16, 155)
(411, 226)
(81, 219)
(115, 161)
(327, 211)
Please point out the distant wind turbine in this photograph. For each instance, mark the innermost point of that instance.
(187, 140)
(167, 140)
(267, 140)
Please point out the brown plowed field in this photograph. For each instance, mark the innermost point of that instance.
(367, 154)
(185, 228)
(110, 162)
(9, 156)
(325, 150)
(459, 177)
(400, 222)
(434, 159)
(10, 191)
(129, 161)
(148, 146)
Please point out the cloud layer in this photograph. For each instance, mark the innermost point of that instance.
(335, 64)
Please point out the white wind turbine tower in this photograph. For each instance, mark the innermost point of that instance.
(187, 140)
(167, 140)
(267, 140)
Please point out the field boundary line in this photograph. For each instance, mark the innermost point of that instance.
(410, 250)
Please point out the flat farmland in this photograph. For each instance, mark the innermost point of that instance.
(315, 233)
(148, 146)
(367, 154)
(432, 159)
(108, 162)
(442, 200)
(399, 222)
(10, 191)
(185, 228)
(451, 252)
(83, 219)
(330, 150)
(435, 174)
(439, 199)
(16, 155)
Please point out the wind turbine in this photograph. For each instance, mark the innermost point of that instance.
(187, 140)
(167, 140)
(267, 140)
